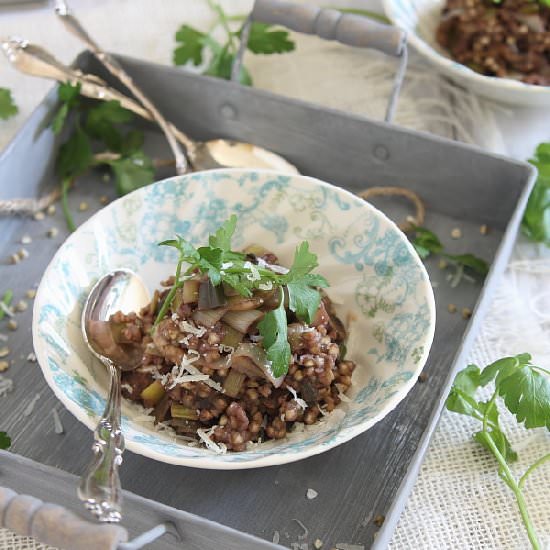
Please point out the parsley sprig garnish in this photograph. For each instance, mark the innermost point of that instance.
(8, 108)
(524, 389)
(98, 125)
(193, 45)
(223, 265)
(427, 243)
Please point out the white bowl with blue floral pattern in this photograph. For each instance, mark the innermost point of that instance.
(379, 284)
(420, 18)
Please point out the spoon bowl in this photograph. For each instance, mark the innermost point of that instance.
(120, 290)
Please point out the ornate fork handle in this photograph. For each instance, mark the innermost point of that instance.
(100, 488)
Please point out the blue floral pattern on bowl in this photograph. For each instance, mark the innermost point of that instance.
(379, 284)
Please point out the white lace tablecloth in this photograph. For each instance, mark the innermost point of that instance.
(458, 501)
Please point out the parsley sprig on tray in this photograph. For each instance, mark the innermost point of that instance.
(427, 243)
(5, 441)
(223, 265)
(524, 389)
(99, 125)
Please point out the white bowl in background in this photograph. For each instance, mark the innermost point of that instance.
(420, 18)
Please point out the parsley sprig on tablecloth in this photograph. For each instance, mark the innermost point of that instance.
(193, 46)
(524, 389)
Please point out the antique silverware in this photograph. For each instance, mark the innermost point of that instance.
(120, 290)
(217, 153)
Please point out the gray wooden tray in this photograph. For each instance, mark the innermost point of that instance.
(372, 474)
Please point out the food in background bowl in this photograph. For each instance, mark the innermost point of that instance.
(508, 38)
(237, 349)
(421, 20)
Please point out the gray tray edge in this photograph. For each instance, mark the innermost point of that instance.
(498, 267)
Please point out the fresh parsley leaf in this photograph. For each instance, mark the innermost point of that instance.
(536, 219)
(101, 120)
(5, 441)
(69, 96)
(190, 44)
(525, 390)
(222, 237)
(526, 393)
(263, 39)
(187, 251)
(211, 262)
(303, 300)
(273, 328)
(475, 264)
(132, 143)
(75, 155)
(500, 440)
(426, 242)
(59, 118)
(69, 93)
(132, 172)
(221, 65)
(304, 262)
(8, 108)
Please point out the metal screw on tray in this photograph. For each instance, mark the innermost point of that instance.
(120, 290)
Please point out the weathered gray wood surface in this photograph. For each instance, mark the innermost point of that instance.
(356, 482)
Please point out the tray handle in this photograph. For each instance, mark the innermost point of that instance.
(347, 28)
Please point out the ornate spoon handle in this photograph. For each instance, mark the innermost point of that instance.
(74, 26)
(100, 488)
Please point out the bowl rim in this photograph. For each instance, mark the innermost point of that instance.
(273, 458)
(457, 68)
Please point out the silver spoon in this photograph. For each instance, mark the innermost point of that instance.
(120, 290)
(203, 155)
(74, 26)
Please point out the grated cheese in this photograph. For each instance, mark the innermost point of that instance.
(300, 402)
(204, 436)
(227, 265)
(30, 407)
(127, 387)
(209, 382)
(190, 327)
(57, 425)
(311, 494)
(186, 372)
(254, 274)
(227, 349)
(275, 268)
(343, 397)
(266, 286)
